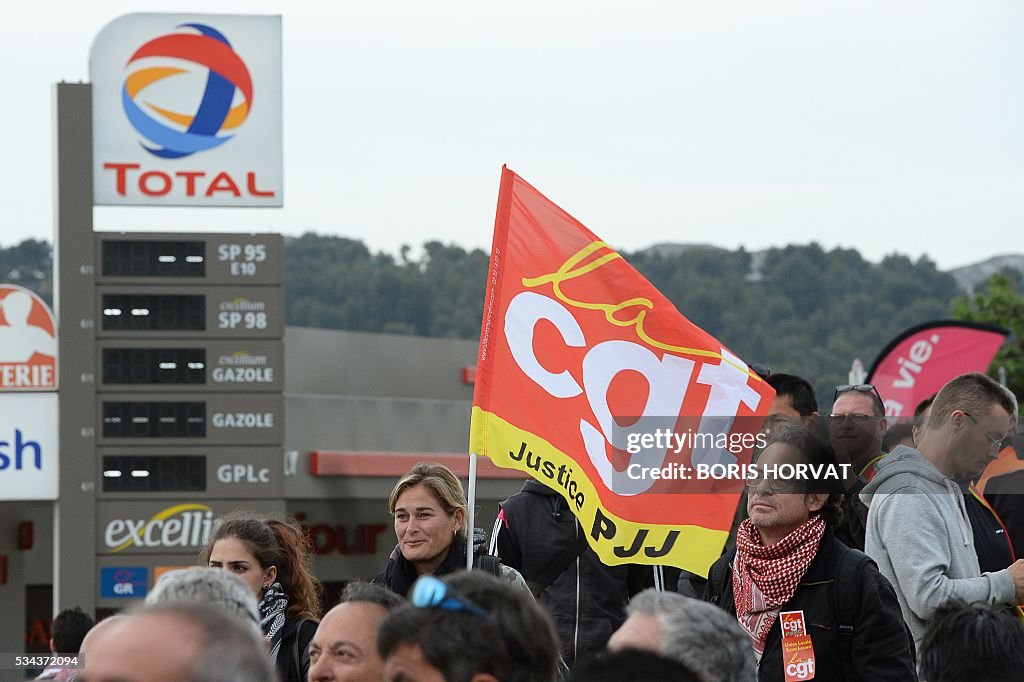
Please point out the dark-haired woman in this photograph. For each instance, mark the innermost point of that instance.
(272, 556)
(788, 567)
(429, 508)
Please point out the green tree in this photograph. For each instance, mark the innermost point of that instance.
(29, 264)
(1001, 303)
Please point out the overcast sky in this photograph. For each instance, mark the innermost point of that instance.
(883, 126)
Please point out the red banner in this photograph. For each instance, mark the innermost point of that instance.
(584, 366)
(917, 363)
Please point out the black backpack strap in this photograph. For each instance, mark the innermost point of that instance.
(300, 646)
(847, 594)
(489, 563)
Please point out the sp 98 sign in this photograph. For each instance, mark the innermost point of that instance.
(166, 313)
(238, 320)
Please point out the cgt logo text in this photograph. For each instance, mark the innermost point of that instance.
(804, 670)
(183, 525)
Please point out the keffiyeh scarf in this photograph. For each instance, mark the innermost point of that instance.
(272, 616)
(765, 578)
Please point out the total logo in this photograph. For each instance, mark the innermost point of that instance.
(216, 111)
(222, 106)
(186, 87)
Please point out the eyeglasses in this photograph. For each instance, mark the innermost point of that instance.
(857, 419)
(432, 593)
(860, 388)
(776, 485)
(994, 442)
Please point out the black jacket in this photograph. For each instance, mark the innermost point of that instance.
(295, 641)
(880, 648)
(587, 599)
(400, 574)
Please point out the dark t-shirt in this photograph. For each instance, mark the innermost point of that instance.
(1006, 495)
(990, 541)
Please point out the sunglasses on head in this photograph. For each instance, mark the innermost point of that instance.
(430, 592)
(859, 388)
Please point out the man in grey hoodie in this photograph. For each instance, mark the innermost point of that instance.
(917, 529)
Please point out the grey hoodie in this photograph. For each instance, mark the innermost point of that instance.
(919, 534)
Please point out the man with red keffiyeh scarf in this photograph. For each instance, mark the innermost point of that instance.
(787, 561)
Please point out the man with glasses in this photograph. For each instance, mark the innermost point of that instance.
(918, 528)
(856, 428)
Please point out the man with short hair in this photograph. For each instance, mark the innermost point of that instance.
(345, 644)
(175, 642)
(918, 527)
(699, 635)
(794, 401)
(991, 543)
(69, 629)
(484, 630)
(856, 428)
(972, 642)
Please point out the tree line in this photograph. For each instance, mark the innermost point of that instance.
(798, 308)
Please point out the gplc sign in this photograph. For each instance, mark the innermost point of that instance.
(242, 473)
(28, 446)
(187, 111)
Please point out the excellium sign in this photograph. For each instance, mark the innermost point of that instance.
(187, 111)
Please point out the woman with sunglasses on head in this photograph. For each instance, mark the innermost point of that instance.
(788, 569)
(429, 508)
(272, 556)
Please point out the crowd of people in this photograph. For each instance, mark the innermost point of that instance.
(903, 571)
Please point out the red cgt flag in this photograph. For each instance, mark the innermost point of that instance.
(590, 381)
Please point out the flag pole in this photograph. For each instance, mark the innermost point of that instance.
(472, 509)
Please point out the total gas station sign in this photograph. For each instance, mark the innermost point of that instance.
(186, 111)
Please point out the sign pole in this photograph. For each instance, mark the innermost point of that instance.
(74, 565)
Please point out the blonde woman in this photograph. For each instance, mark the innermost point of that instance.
(429, 509)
